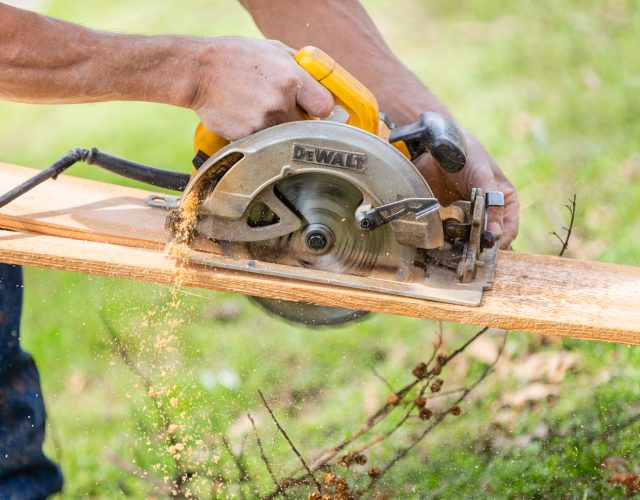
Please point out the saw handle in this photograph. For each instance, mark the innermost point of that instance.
(356, 99)
(349, 93)
(436, 134)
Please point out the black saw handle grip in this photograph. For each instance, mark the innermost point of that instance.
(436, 134)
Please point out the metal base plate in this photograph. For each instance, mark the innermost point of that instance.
(441, 284)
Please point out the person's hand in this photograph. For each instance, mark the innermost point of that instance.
(244, 85)
(480, 171)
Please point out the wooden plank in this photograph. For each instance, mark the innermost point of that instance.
(535, 293)
(540, 294)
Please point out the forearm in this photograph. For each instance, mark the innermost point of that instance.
(46, 60)
(344, 30)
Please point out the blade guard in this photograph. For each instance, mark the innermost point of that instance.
(245, 172)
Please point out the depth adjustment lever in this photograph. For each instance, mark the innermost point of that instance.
(370, 218)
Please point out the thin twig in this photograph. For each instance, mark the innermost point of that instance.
(324, 457)
(571, 207)
(157, 483)
(465, 345)
(327, 455)
(383, 411)
(437, 345)
(237, 460)
(295, 450)
(381, 378)
(264, 458)
(439, 418)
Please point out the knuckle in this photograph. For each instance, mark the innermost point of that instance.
(325, 104)
(290, 82)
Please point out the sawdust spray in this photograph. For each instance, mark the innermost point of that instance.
(177, 454)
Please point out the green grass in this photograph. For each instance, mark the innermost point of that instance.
(551, 88)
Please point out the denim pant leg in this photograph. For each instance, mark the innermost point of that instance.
(25, 473)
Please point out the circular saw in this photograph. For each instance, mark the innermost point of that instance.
(338, 201)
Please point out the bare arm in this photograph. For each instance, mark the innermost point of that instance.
(344, 29)
(45, 60)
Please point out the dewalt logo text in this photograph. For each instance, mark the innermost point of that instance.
(329, 157)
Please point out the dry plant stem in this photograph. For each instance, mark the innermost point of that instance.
(243, 473)
(381, 378)
(295, 450)
(382, 437)
(331, 452)
(264, 458)
(439, 418)
(140, 473)
(412, 407)
(571, 207)
(438, 343)
(426, 381)
(465, 345)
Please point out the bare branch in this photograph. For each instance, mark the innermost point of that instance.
(571, 207)
(157, 483)
(437, 345)
(295, 450)
(238, 461)
(438, 419)
(122, 350)
(329, 453)
(324, 457)
(465, 345)
(381, 378)
(265, 460)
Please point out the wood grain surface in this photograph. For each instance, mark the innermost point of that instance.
(543, 294)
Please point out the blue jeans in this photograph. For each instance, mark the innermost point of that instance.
(25, 473)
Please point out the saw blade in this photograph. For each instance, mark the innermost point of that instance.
(329, 240)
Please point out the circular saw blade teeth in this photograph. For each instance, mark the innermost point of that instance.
(327, 205)
(328, 240)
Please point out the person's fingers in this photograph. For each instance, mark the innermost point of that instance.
(294, 114)
(480, 174)
(314, 97)
(279, 45)
(442, 187)
(511, 216)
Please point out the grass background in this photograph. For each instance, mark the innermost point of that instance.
(552, 89)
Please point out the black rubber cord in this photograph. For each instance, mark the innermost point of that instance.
(132, 170)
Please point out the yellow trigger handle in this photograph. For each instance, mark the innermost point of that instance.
(349, 93)
(355, 98)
